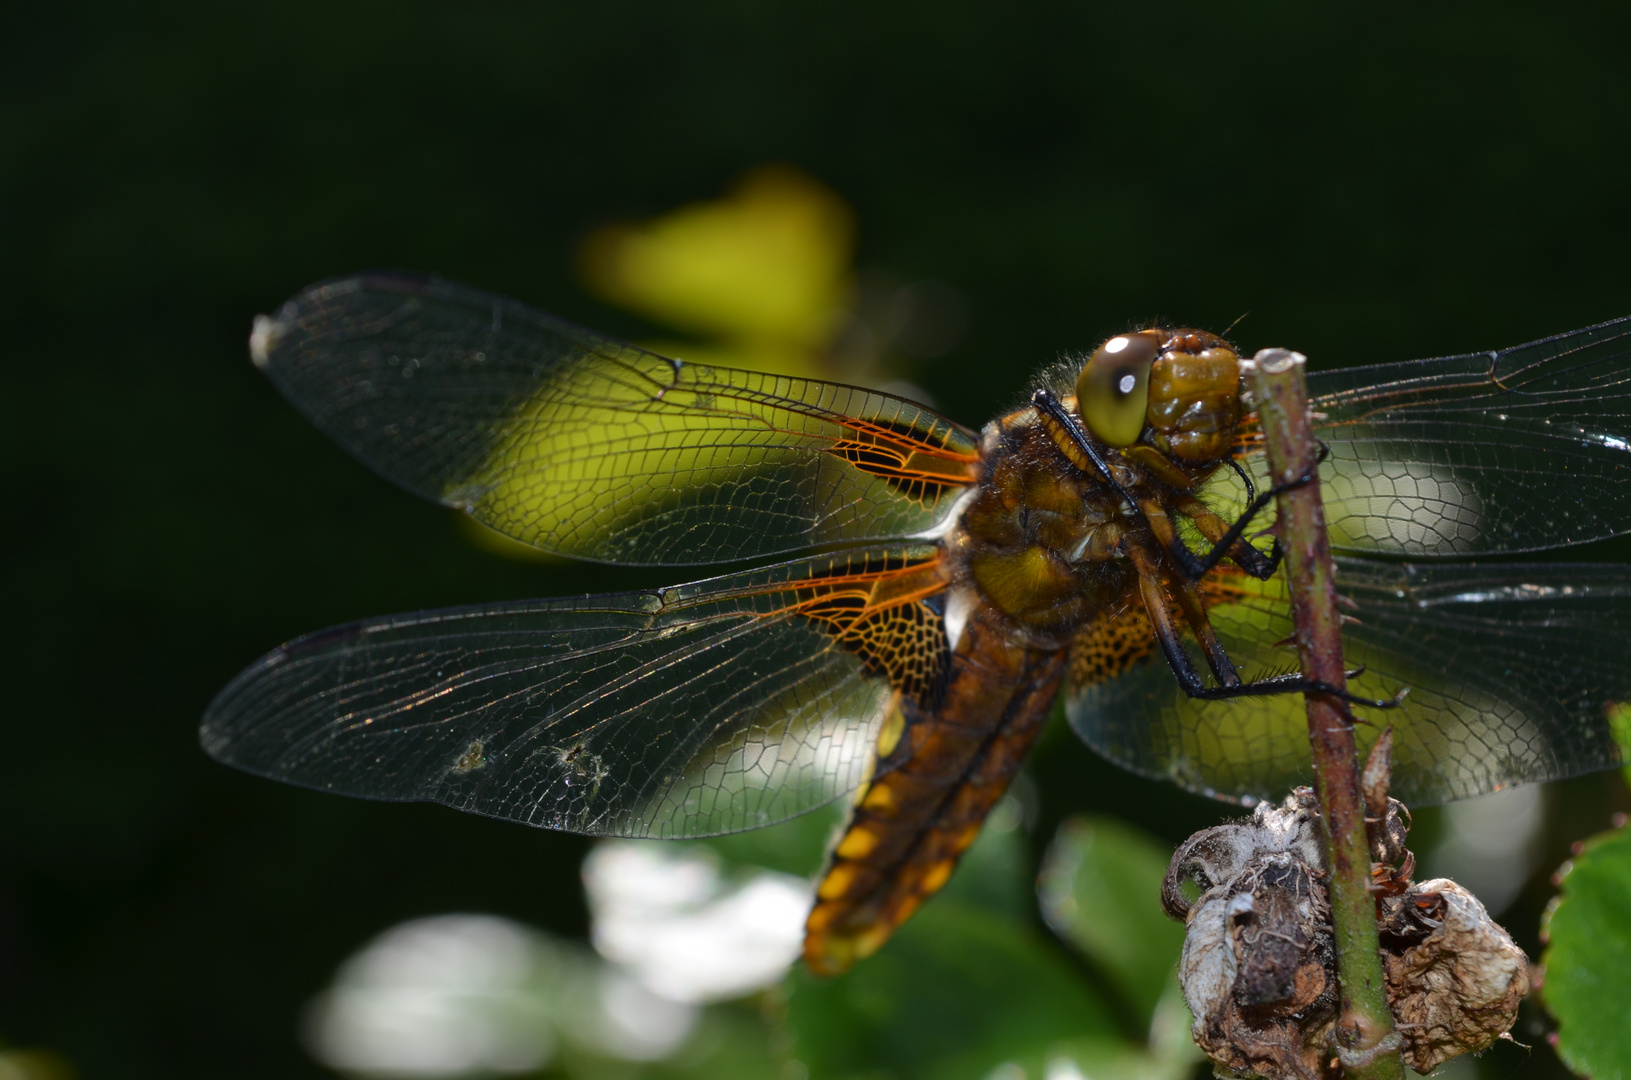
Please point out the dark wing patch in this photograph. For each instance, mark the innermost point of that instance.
(1109, 646)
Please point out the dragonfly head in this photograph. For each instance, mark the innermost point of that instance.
(1194, 397)
(1178, 390)
(1113, 388)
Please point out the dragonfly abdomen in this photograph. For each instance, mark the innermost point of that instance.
(911, 825)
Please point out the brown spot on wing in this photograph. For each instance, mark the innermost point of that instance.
(1110, 645)
(882, 618)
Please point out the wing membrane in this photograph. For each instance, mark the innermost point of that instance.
(699, 709)
(1514, 672)
(1495, 452)
(585, 446)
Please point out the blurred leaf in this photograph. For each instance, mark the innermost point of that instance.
(496, 543)
(995, 874)
(1619, 725)
(955, 994)
(1588, 958)
(1170, 1039)
(796, 846)
(767, 264)
(1100, 889)
(731, 1043)
(1104, 1059)
(34, 1065)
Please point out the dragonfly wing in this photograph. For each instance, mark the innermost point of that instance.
(1515, 674)
(699, 709)
(1515, 450)
(589, 447)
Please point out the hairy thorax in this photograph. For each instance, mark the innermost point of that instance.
(1040, 542)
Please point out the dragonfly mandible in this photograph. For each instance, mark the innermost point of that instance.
(931, 591)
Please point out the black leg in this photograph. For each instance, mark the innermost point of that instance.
(1194, 613)
(1183, 668)
(1058, 417)
(1245, 478)
(1294, 684)
(1172, 646)
(1196, 566)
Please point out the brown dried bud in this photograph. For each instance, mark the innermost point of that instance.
(1386, 819)
(1259, 965)
(1454, 976)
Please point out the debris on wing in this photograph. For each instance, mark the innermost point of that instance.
(1259, 963)
(263, 338)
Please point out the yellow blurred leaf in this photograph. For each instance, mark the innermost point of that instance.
(768, 265)
(34, 1065)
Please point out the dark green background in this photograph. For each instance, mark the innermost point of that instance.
(1368, 188)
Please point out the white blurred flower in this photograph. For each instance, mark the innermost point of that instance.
(666, 914)
(444, 996)
(1063, 1068)
(637, 1024)
(478, 995)
(1491, 844)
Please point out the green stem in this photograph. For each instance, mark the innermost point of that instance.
(1365, 1031)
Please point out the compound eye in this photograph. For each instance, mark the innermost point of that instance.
(1114, 388)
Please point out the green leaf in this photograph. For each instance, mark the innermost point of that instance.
(1619, 725)
(1100, 889)
(1103, 1058)
(956, 993)
(797, 846)
(1588, 958)
(995, 873)
(731, 1043)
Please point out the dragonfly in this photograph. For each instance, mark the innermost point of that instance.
(917, 595)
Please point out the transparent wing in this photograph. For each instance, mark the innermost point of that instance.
(1514, 674)
(723, 705)
(1517, 450)
(585, 446)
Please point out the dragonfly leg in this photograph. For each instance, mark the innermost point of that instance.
(1245, 477)
(1230, 685)
(1194, 611)
(1262, 566)
(1293, 683)
(1166, 630)
(1216, 531)
(1073, 442)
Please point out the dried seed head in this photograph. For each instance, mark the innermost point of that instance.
(1258, 968)
(1454, 976)
(1214, 856)
(1259, 964)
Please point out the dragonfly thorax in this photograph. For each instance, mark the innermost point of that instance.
(1041, 541)
(1045, 538)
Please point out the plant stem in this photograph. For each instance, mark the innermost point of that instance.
(1277, 382)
